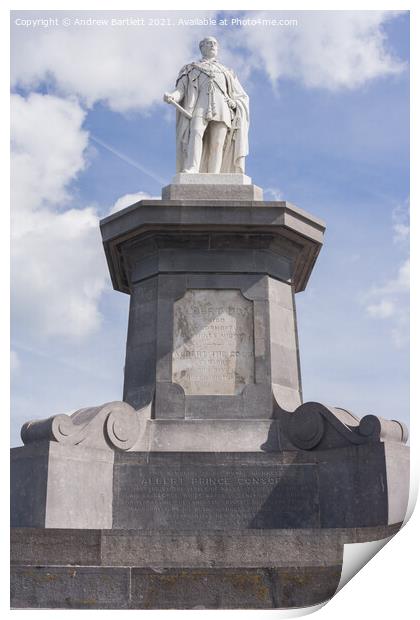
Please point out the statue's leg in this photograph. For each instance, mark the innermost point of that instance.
(195, 144)
(218, 131)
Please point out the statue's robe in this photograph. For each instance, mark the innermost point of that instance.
(193, 84)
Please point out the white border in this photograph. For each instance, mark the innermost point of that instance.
(386, 587)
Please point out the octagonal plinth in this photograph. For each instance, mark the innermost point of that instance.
(212, 327)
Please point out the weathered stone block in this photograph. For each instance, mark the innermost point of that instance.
(142, 569)
(61, 486)
(202, 589)
(50, 546)
(28, 485)
(59, 587)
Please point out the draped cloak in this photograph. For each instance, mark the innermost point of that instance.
(236, 144)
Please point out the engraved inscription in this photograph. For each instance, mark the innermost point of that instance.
(215, 497)
(213, 342)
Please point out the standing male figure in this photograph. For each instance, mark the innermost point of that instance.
(213, 135)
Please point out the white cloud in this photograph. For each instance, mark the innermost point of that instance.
(58, 270)
(400, 330)
(401, 223)
(130, 199)
(58, 267)
(398, 285)
(328, 49)
(128, 68)
(382, 310)
(401, 232)
(391, 301)
(47, 149)
(14, 362)
(274, 193)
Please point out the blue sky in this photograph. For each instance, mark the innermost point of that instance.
(329, 133)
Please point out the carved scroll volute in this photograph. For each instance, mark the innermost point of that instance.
(112, 425)
(314, 425)
(306, 427)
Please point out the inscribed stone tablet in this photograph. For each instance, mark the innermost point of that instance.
(213, 350)
(198, 492)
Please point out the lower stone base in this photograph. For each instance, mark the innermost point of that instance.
(132, 569)
(59, 587)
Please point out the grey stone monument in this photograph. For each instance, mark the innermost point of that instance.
(211, 484)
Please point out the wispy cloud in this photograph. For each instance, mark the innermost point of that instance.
(77, 364)
(401, 223)
(390, 301)
(381, 310)
(128, 160)
(398, 285)
(274, 192)
(14, 362)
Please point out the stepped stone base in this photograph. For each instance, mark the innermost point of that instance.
(204, 186)
(132, 569)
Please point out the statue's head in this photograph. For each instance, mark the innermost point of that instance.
(209, 47)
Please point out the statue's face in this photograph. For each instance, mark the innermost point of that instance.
(209, 48)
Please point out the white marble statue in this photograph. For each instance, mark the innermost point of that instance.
(212, 115)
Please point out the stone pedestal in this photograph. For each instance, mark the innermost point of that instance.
(212, 485)
(212, 326)
(206, 186)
